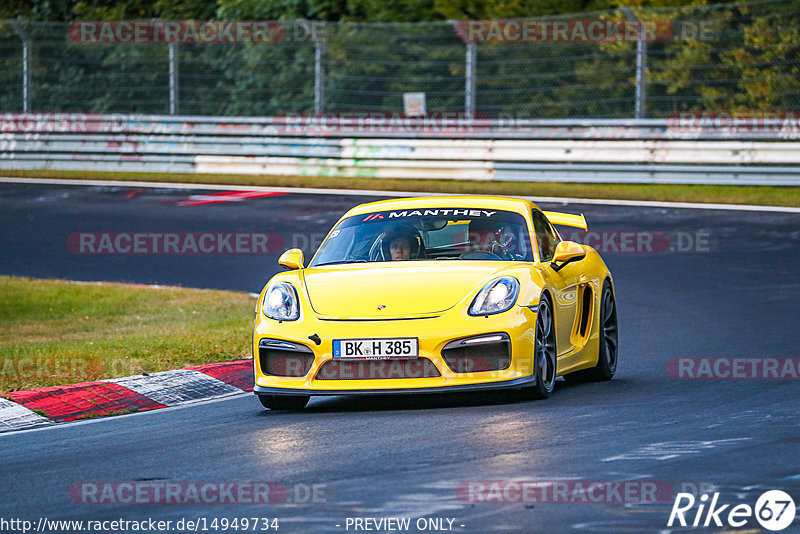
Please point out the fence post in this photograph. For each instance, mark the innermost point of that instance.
(641, 66)
(641, 74)
(173, 78)
(26, 65)
(319, 74)
(469, 82)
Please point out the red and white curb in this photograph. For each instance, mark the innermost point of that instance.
(20, 410)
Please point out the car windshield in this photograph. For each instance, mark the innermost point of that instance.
(427, 234)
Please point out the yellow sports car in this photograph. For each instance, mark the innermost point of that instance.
(424, 295)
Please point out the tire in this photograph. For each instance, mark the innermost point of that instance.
(609, 336)
(544, 351)
(284, 402)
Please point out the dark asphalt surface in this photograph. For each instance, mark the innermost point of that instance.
(734, 295)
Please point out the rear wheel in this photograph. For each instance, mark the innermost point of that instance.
(544, 353)
(608, 333)
(284, 402)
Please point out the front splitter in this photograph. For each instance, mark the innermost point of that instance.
(505, 384)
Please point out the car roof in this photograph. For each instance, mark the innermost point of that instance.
(451, 201)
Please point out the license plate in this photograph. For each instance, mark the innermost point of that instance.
(376, 349)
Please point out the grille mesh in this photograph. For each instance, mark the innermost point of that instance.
(478, 358)
(276, 362)
(377, 369)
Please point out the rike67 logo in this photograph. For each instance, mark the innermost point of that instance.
(774, 510)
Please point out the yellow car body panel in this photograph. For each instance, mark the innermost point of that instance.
(429, 300)
(567, 219)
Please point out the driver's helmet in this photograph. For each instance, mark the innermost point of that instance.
(408, 233)
(485, 235)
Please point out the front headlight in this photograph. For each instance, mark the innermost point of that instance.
(280, 302)
(496, 297)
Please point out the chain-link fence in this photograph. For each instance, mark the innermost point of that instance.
(722, 57)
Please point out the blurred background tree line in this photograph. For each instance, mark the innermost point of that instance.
(721, 57)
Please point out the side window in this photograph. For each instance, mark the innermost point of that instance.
(546, 237)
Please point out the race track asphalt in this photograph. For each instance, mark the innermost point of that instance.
(729, 288)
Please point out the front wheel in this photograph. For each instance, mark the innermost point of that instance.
(544, 354)
(608, 337)
(284, 402)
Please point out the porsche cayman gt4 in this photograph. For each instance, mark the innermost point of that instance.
(424, 295)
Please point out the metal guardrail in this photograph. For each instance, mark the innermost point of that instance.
(396, 125)
(628, 151)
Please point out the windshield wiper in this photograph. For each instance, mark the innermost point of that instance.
(339, 262)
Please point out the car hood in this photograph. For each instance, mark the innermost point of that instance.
(387, 291)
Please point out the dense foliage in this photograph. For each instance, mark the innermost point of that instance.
(747, 56)
(327, 10)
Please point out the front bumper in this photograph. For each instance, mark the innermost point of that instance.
(433, 334)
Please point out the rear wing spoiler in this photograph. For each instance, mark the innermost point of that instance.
(566, 219)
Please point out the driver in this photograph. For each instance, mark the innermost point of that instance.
(402, 244)
(400, 248)
(489, 236)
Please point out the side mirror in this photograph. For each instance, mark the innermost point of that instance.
(567, 252)
(292, 258)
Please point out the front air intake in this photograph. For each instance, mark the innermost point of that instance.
(487, 352)
(283, 358)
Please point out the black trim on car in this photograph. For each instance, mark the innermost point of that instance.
(479, 353)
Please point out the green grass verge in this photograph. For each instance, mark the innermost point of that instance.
(55, 332)
(724, 194)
